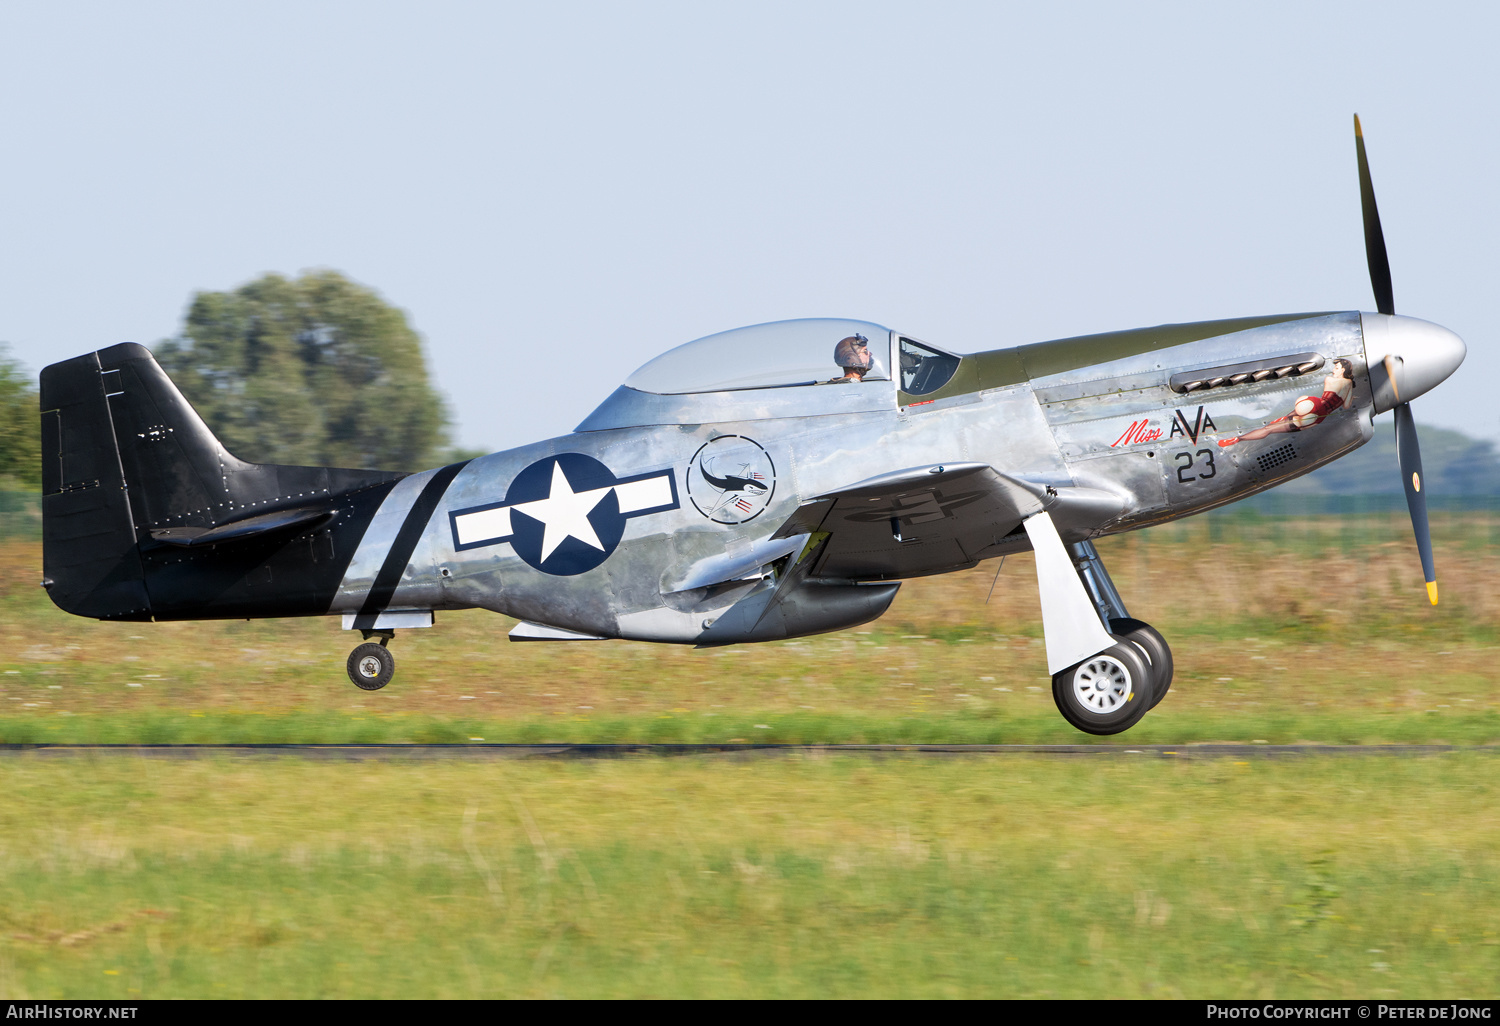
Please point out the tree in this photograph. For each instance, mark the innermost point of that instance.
(315, 370)
(20, 427)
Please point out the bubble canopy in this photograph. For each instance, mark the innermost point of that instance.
(780, 354)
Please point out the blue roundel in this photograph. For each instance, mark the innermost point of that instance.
(564, 514)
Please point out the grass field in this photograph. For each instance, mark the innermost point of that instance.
(1283, 630)
(789, 876)
(1362, 877)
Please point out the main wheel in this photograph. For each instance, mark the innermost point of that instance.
(371, 666)
(1149, 640)
(1106, 693)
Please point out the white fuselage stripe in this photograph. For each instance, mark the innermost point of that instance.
(647, 493)
(376, 543)
(483, 526)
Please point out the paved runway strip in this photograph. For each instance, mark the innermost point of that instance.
(476, 752)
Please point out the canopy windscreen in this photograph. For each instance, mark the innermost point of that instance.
(775, 355)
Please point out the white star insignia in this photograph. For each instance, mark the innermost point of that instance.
(565, 513)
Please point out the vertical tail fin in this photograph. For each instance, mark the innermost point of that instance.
(131, 475)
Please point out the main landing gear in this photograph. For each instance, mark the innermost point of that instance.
(1109, 692)
(371, 666)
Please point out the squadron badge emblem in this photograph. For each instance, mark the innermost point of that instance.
(731, 479)
(565, 514)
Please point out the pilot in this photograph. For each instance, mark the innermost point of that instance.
(852, 356)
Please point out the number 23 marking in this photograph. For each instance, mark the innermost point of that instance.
(1183, 471)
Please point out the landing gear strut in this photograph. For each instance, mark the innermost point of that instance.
(371, 666)
(1110, 692)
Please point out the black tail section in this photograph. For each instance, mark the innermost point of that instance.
(145, 515)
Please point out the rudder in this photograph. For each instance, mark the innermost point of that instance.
(90, 563)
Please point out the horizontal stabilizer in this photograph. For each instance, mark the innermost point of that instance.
(238, 530)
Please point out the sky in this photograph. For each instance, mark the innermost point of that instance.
(555, 193)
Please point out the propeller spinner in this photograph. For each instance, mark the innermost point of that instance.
(1414, 354)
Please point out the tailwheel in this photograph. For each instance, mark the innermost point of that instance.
(371, 666)
(1149, 640)
(1106, 693)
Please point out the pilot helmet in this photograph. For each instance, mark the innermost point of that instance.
(853, 353)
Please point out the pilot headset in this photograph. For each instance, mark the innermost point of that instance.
(852, 352)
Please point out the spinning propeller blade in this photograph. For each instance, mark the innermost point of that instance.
(1410, 458)
(1380, 264)
(1408, 454)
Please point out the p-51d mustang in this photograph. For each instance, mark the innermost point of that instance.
(728, 492)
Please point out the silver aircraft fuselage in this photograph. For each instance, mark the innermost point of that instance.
(667, 511)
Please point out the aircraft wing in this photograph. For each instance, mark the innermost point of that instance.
(935, 518)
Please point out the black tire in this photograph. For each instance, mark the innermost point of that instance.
(371, 666)
(1106, 693)
(1158, 653)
